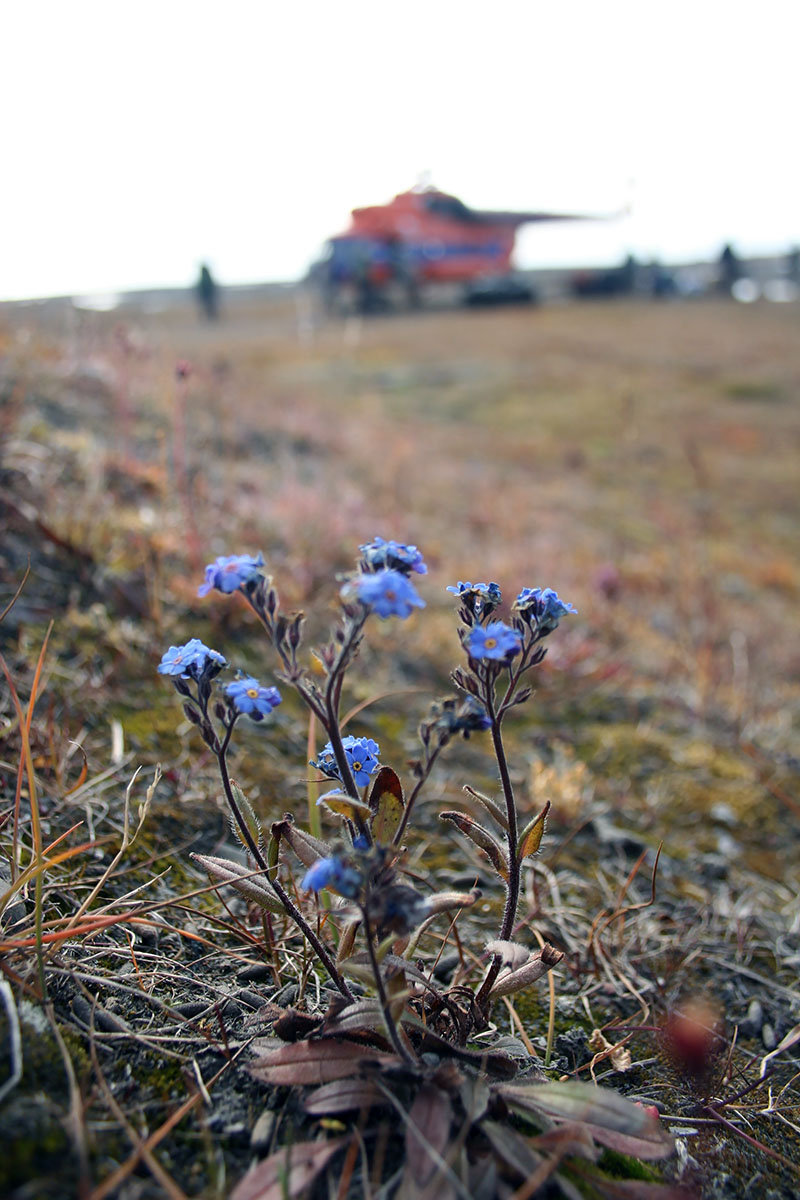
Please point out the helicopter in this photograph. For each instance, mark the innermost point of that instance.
(426, 237)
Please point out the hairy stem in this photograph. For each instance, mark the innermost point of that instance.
(418, 786)
(291, 909)
(514, 869)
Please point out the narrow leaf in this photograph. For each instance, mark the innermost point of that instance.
(288, 1172)
(250, 819)
(387, 804)
(316, 1062)
(345, 806)
(427, 1139)
(494, 810)
(539, 963)
(611, 1119)
(531, 836)
(235, 874)
(307, 847)
(273, 850)
(481, 837)
(344, 1095)
(443, 901)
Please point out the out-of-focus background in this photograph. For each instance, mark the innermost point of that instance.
(518, 284)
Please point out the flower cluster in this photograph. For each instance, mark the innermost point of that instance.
(494, 641)
(248, 696)
(362, 759)
(191, 661)
(478, 600)
(380, 555)
(453, 716)
(542, 607)
(333, 872)
(228, 574)
(387, 593)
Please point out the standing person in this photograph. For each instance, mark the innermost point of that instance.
(207, 294)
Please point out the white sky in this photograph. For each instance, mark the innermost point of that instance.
(140, 138)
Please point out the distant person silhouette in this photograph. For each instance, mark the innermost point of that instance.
(207, 294)
(730, 268)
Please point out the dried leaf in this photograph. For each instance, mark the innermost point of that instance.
(427, 1140)
(481, 837)
(611, 1120)
(531, 837)
(307, 847)
(619, 1056)
(443, 901)
(347, 942)
(316, 1062)
(344, 1095)
(387, 804)
(362, 1015)
(288, 1172)
(786, 1043)
(539, 963)
(227, 871)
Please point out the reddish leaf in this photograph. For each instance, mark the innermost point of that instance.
(286, 1173)
(610, 1118)
(343, 1095)
(316, 1062)
(511, 1148)
(427, 1140)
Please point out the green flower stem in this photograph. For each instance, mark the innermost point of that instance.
(292, 910)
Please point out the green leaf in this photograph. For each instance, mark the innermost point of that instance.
(345, 806)
(273, 850)
(235, 874)
(387, 804)
(250, 819)
(481, 837)
(494, 810)
(531, 837)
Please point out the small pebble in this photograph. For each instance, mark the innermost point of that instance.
(255, 974)
(251, 998)
(262, 1131)
(768, 1036)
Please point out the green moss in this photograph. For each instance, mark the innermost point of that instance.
(622, 1166)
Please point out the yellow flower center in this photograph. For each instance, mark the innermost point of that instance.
(356, 766)
(490, 643)
(252, 692)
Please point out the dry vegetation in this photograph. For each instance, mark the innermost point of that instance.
(640, 459)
